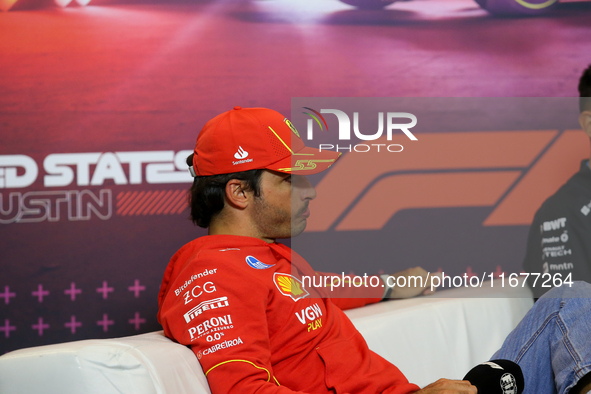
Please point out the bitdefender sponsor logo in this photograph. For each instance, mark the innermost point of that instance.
(216, 303)
(220, 346)
(192, 278)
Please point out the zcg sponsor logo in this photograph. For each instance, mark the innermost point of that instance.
(196, 291)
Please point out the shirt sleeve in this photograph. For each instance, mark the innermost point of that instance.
(223, 320)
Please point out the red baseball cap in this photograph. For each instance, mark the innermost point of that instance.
(245, 139)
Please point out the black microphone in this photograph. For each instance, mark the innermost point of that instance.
(497, 377)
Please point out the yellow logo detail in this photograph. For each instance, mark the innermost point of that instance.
(316, 324)
(292, 127)
(302, 165)
(290, 286)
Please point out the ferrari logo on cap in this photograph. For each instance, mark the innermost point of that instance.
(292, 127)
(290, 286)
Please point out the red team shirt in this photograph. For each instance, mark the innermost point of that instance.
(241, 306)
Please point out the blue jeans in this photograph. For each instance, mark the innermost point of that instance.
(552, 344)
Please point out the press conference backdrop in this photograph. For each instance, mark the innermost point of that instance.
(86, 233)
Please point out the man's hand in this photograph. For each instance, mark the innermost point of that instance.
(446, 386)
(413, 275)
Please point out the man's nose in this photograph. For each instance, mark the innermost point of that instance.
(308, 192)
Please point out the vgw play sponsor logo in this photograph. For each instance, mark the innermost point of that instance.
(388, 123)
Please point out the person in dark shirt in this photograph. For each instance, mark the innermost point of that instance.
(559, 239)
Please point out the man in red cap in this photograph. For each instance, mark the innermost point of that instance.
(236, 296)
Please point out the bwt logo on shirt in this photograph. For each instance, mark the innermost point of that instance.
(391, 119)
(552, 225)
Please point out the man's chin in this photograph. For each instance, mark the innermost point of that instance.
(297, 229)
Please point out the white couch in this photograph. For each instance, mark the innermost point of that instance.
(443, 335)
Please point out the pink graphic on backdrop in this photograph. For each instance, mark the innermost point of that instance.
(469, 272)
(73, 324)
(499, 272)
(7, 328)
(151, 202)
(105, 322)
(73, 291)
(137, 320)
(7, 294)
(136, 288)
(40, 293)
(105, 290)
(40, 326)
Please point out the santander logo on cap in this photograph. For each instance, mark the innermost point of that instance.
(241, 154)
(272, 140)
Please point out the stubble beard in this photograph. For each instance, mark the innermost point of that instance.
(274, 222)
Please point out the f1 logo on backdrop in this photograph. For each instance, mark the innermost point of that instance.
(512, 171)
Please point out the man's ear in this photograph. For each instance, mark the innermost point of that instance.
(236, 194)
(585, 122)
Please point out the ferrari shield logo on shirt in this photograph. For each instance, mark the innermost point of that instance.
(256, 263)
(290, 286)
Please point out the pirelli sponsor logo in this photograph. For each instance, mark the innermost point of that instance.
(219, 346)
(216, 303)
